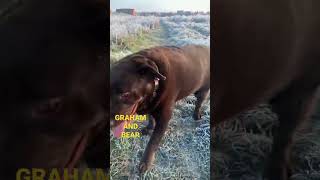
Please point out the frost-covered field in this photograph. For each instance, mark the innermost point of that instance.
(183, 154)
(185, 149)
(126, 28)
(188, 29)
(241, 146)
(122, 25)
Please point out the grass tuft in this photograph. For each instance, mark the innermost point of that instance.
(241, 147)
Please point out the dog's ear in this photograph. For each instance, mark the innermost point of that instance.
(146, 65)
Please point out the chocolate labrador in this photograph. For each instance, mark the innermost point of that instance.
(261, 55)
(151, 81)
(53, 86)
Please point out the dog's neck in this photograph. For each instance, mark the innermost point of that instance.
(155, 90)
(156, 87)
(149, 99)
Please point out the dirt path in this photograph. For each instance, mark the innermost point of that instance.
(157, 37)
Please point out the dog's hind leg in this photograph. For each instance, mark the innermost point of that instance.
(201, 96)
(150, 127)
(293, 106)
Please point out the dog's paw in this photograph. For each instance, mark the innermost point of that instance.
(144, 166)
(146, 131)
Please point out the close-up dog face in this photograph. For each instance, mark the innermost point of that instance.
(53, 90)
(132, 80)
(50, 130)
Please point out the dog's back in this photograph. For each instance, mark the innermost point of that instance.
(187, 67)
(262, 56)
(192, 71)
(258, 62)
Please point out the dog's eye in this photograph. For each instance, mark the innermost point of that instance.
(125, 96)
(47, 108)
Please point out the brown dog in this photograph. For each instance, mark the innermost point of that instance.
(152, 80)
(53, 86)
(261, 55)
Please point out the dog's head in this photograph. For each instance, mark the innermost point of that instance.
(132, 80)
(53, 85)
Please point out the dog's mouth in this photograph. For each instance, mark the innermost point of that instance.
(77, 151)
(117, 131)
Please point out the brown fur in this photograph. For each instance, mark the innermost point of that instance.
(187, 71)
(263, 55)
(53, 84)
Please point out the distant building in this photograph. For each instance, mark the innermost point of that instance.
(127, 11)
(185, 13)
(168, 14)
(180, 12)
(158, 14)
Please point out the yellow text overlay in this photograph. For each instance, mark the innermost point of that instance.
(130, 117)
(55, 174)
(131, 126)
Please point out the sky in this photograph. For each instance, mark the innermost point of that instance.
(162, 5)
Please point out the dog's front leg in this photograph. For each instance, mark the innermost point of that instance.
(150, 127)
(162, 117)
